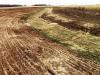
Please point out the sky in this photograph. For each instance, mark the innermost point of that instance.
(53, 2)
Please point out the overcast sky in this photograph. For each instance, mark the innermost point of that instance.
(53, 2)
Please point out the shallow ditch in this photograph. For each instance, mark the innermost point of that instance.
(74, 25)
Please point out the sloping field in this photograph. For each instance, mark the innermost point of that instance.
(24, 50)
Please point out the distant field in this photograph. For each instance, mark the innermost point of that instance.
(4, 5)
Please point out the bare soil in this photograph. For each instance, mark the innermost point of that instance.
(24, 51)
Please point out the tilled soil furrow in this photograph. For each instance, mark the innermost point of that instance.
(1, 69)
(29, 55)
